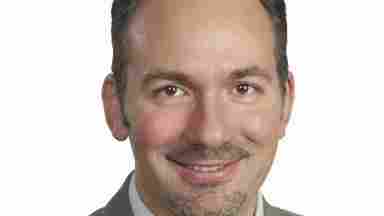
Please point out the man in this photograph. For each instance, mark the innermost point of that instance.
(202, 90)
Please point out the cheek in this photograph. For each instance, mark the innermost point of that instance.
(262, 130)
(155, 130)
(262, 127)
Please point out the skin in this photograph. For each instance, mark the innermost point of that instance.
(217, 98)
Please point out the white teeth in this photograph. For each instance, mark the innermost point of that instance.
(205, 168)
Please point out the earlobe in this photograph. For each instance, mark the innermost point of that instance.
(112, 109)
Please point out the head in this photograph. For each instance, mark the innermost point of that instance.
(202, 90)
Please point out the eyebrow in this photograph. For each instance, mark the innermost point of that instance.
(179, 76)
(253, 70)
(164, 74)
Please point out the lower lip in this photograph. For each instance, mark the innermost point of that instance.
(208, 178)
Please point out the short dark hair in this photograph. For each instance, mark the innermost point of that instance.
(122, 10)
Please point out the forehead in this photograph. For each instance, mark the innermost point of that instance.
(201, 35)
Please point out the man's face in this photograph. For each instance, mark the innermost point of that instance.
(204, 103)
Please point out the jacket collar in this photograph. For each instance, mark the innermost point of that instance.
(119, 204)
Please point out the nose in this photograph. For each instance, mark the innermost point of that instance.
(207, 123)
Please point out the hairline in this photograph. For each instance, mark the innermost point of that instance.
(120, 25)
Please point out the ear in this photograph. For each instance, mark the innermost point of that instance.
(112, 109)
(289, 98)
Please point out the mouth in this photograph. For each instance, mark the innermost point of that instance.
(207, 172)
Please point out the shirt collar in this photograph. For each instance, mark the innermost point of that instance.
(137, 204)
(139, 208)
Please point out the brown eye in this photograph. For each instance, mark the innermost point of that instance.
(243, 88)
(171, 91)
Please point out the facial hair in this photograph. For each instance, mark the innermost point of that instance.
(180, 206)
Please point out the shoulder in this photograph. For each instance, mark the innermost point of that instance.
(119, 205)
(100, 212)
(270, 210)
(281, 212)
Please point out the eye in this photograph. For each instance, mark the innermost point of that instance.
(245, 88)
(170, 91)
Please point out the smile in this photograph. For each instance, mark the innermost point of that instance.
(207, 173)
(206, 169)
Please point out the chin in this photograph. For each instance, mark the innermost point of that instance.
(214, 202)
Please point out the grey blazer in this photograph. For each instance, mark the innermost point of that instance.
(119, 205)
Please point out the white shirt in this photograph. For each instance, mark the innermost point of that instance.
(139, 209)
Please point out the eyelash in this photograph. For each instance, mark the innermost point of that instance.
(162, 89)
(255, 87)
